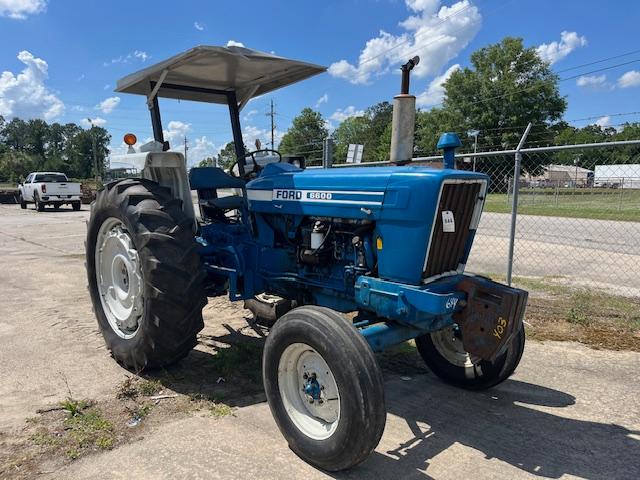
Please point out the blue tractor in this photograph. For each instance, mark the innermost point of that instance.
(359, 259)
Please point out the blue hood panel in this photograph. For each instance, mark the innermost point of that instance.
(401, 200)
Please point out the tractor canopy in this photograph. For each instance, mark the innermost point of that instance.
(204, 73)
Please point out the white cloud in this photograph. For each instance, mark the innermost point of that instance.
(591, 81)
(129, 57)
(97, 122)
(603, 121)
(202, 148)
(435, 91)
(249, 115)
(198, 26)
(437, 34)
(106, 86)
(340, 115)
(25, 94)
(629, 79)
(233, 43)
(252, 133)
(555, 51)
(20, 9)
(323, 99)
(175, 133)
(108, 104)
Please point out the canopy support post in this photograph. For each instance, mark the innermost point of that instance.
(234, 113)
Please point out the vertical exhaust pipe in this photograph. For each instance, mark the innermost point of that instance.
(404, 119)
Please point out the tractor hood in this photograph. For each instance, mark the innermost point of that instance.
(355, 193)
(412, 208)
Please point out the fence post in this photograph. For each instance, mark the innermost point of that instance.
(327, 153)
(514, 202)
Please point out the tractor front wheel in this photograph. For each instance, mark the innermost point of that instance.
(445, 356)
(324, 388)
(144, 272)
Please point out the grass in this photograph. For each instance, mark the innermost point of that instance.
(133, 387)
(243, 360)
(600, 204)
(83, 428)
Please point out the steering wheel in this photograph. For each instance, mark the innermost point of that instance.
(256, 168)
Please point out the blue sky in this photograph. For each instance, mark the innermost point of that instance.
(60, 58)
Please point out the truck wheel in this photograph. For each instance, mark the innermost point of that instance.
(75, 206)
(445, 356)
(324, 388)
(23, 204)
(145, 275)
(38, 204)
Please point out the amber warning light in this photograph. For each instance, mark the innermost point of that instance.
(130, 139)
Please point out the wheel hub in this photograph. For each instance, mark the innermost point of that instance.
(448, 342)
(119, 278)
(309, 391)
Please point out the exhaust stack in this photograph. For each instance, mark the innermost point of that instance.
(404, 118)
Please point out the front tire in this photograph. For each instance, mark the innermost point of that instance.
(23, 204)
(445, 356)
(313, 353)
(144, 272)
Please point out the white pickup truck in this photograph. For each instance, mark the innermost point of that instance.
(49, 188)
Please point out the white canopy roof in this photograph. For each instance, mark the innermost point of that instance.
(247, 72)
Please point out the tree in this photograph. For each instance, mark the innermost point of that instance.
(36, 145)
(376, 141)
(507, 87)
(350, 130)
(305, 136)
(227, 156)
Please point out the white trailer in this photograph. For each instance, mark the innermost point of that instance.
(617, 176)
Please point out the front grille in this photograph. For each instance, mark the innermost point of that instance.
(446, 249)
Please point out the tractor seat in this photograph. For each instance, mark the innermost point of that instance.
(232, 202)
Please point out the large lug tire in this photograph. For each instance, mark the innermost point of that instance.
(145, 275)
(23, 204)
(317, 348)
(443, 353)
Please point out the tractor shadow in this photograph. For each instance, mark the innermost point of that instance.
(225, 368)
(519, 423)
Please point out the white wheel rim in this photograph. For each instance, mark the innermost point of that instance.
(316, 418)
(450, 347)
(119, 278)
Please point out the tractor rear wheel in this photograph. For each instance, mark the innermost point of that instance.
(324, 388)
(445, 356)
(144, 272)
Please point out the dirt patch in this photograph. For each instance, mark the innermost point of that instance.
(559, 312)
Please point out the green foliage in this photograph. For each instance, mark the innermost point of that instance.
(31, 145)
(305, 136)
(227, 156)
(508, 85)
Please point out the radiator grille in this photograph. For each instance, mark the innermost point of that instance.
(446, 249)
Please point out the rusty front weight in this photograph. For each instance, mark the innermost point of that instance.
(492, 315)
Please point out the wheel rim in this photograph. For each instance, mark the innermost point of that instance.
(119, 278)
(448, 343)
(309, 391)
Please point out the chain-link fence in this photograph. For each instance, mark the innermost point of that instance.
(578, 216)
(577, 221)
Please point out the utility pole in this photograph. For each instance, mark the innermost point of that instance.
(185, 149)
(272, 114)
(93, 149)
